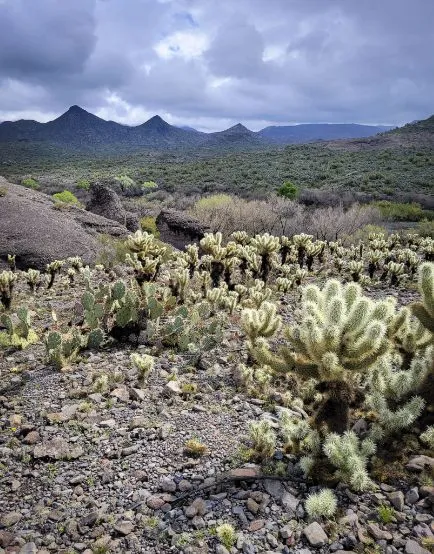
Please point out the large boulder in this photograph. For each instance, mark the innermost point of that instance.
(105, 202)
(178, 229)
(38, 233)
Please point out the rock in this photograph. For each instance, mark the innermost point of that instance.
(167, 484)
(138, 421)
(6, 538)
(412, 547)
(172, 388)
(155, 502)
(397, 500)
(245, 473)
(28, 548)
(412, 496)
(10, 519)
(256, 525)
(290, 501)
(220, 549)
(419, 463)
(315, 534)
(32, 438)
(137, 394)
(124, 527)
(252, 506)
(275, 488)
(178, 229)
(58, 449)
(121, 393)
(286, 532)
(106, 203)
(89, 519)
(184, 485)
(379, 534)
(30, 228)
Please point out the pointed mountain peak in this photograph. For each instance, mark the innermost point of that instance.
(156, 122)
(76, 110)
(239, 128)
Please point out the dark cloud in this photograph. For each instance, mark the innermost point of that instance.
(210, 64)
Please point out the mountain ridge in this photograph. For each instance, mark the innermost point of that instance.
(79, 129)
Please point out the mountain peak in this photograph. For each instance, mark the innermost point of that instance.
(76, 109)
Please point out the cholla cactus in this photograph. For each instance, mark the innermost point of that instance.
(191, 255)
(263, 322)
(341, 335)
(230, 301)
(62, 350)
(240, 237)
(266, 246)
(321, 504)
(263, 439)
(53, 269)
(12, 262)
(143, 363)
(178, 284)
(356, 267)
(76, 263)
(301, 241)
(226, 535)
(313, 249)
(33, 279)
(350, 456)
(424, 310)
(283, 284)
(428, 436)
(374, 258)
(410, 336)
(395, 271)
(300, 276)
(7, 282)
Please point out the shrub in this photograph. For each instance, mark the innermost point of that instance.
(66, 197)
(149, 225)
(30, 183)
(113, 251)
(288, 190)
(425, 228)
(3, 191)
(399, 211)
(83, 184)
(149, 185)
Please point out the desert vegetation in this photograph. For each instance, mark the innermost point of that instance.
(299, 364)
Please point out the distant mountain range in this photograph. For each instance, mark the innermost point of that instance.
(81, 130)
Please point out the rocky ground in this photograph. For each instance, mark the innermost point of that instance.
(89, 466)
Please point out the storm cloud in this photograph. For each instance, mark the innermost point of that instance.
(211, 64)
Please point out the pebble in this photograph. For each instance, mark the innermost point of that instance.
(315, 534)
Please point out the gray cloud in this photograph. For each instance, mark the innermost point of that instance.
(278, 61)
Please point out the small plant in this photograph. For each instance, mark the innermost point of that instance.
(3, 191)
(7, 282)
(67, 197)
(30, 183)
(263, 439)
(149, 225)
(195, 449)
(386, 514)
(12, 262)
(321, 504)
(33, 279)
(428, 436)
(83, 184)
(53, 268)
(18, 334)
(143, 363)
(226, 535)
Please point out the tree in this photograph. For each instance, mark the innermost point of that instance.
(288, 190)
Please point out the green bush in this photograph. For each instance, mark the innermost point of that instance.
(30, 183)
(149, 225)
(83, 184)
(147, 185)
(3, 191)
(399, 211)
(425, 228)
(288, 190)
(66, 197)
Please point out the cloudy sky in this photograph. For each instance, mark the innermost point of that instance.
(212, 63)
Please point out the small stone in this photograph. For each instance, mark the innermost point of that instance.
(412, 547)
(137, 394)
(10, 519)
(155, 502)
(15, 485)
(198, 522)
(290, 501)
(128, 450)
(6, 538)
(121, 393)
(315, 534)
(286, 532)
(58, 449)
(139, 421)
(419, 463)
(256, 525)
(397, 500)
(89, 519)
(245, 473)
(172, 388)
(164, 431)
(379, 534)
(184, 485)
(167, 484)
(124, 527)
(190, 511)
(28, 548)
(200, 505)
(412, 496)
(32, 438)
(252, 506)
(15, 420)
(220, 549)
(108, 423)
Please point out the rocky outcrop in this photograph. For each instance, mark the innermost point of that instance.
(178, 229)
(38, 233)
(105, 202)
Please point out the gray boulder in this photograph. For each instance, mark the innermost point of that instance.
(178, 229)
(38, 233)
(105, 202)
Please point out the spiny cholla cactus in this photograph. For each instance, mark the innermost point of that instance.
(428, 436)
(301, 241)
(33, 279)
(350, 456)
(261, 323)
(143, 363)
(313, 250)
(191, 255)
(145, 255)
(395, 272)
(263, 439)
(75, 262)
(409, 335)
(341, 335)
(355, 267)
(179, 281)
(12, 262)
(374, 258)
(7, 282)
(53, 269)
(19, 333)
(321, 504)
(240, 237)
(62, 350)
(266, 246)
(424, 310)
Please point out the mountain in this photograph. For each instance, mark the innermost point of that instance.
(238, 135)
(312, 132)
(79, 130)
